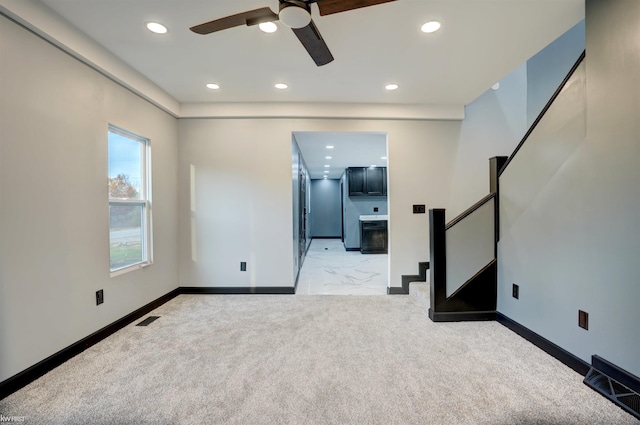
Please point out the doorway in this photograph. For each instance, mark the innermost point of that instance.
(332, 217)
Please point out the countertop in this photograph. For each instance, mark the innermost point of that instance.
(374, 217)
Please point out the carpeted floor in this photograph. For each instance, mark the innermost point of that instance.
(273, 359)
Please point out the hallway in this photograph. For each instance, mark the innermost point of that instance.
(330, 270)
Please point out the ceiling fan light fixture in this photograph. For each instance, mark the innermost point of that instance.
(431, 26)
(295, 16)
(268, 27)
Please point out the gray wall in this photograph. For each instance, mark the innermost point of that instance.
(54, 232)
(325, 208)
(494, 124)
(547, 69)
(570, 203)
(496, 121)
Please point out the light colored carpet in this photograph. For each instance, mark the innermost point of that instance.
(215, 359)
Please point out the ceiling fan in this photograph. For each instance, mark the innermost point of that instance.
(295, 14)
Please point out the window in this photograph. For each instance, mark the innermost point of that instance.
(129, 201)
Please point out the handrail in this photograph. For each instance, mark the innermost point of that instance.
(543, 112)
(469, 211)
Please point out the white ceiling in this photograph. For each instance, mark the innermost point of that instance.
(480, 42)
(349, 150)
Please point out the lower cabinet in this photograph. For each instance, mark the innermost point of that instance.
(373, 237)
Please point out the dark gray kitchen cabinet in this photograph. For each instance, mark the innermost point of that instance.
(373, 237)
(367, 181)
(357, 181)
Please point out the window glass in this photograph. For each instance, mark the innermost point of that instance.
(125, 167)
(129, 206)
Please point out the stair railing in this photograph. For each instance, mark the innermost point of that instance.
(463, 262)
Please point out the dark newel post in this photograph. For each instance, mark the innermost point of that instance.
(438, 260)
(495, 165)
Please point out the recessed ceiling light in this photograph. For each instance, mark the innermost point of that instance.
(431, 26)
(495, 87)
(391, 87)
(326, 171)
(328, 157)
(327, 166)
(324, 177)
(213, 86)
(156, 27)
(373, 166)
(268, 27)
(383, 157)
(329, 147)
(281, 86)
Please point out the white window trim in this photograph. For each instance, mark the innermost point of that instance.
(145, 202)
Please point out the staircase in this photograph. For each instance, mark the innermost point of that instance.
(407, 279)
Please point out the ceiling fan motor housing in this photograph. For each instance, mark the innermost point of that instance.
(294, 14)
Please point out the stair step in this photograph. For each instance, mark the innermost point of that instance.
(421, 292)
(406, 280)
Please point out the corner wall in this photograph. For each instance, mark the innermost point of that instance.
(54, 227)
(496, 121)
(493, 126)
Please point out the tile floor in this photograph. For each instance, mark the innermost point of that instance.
(331, 270)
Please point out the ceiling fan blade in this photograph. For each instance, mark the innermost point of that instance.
(252, 17)
(327, 7)
(311, 39)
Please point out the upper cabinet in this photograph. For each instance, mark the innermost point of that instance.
(367, 181)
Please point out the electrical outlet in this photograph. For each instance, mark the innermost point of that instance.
(99, 297)
(515, 291)
(419, 209)
(243, 266)
(583, 319)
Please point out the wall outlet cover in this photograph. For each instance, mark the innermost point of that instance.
(583, 319)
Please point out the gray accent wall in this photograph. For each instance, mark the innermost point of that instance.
(547, 69)
(570, 202)
(325, 208)
(54, 227)
(496, 121)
